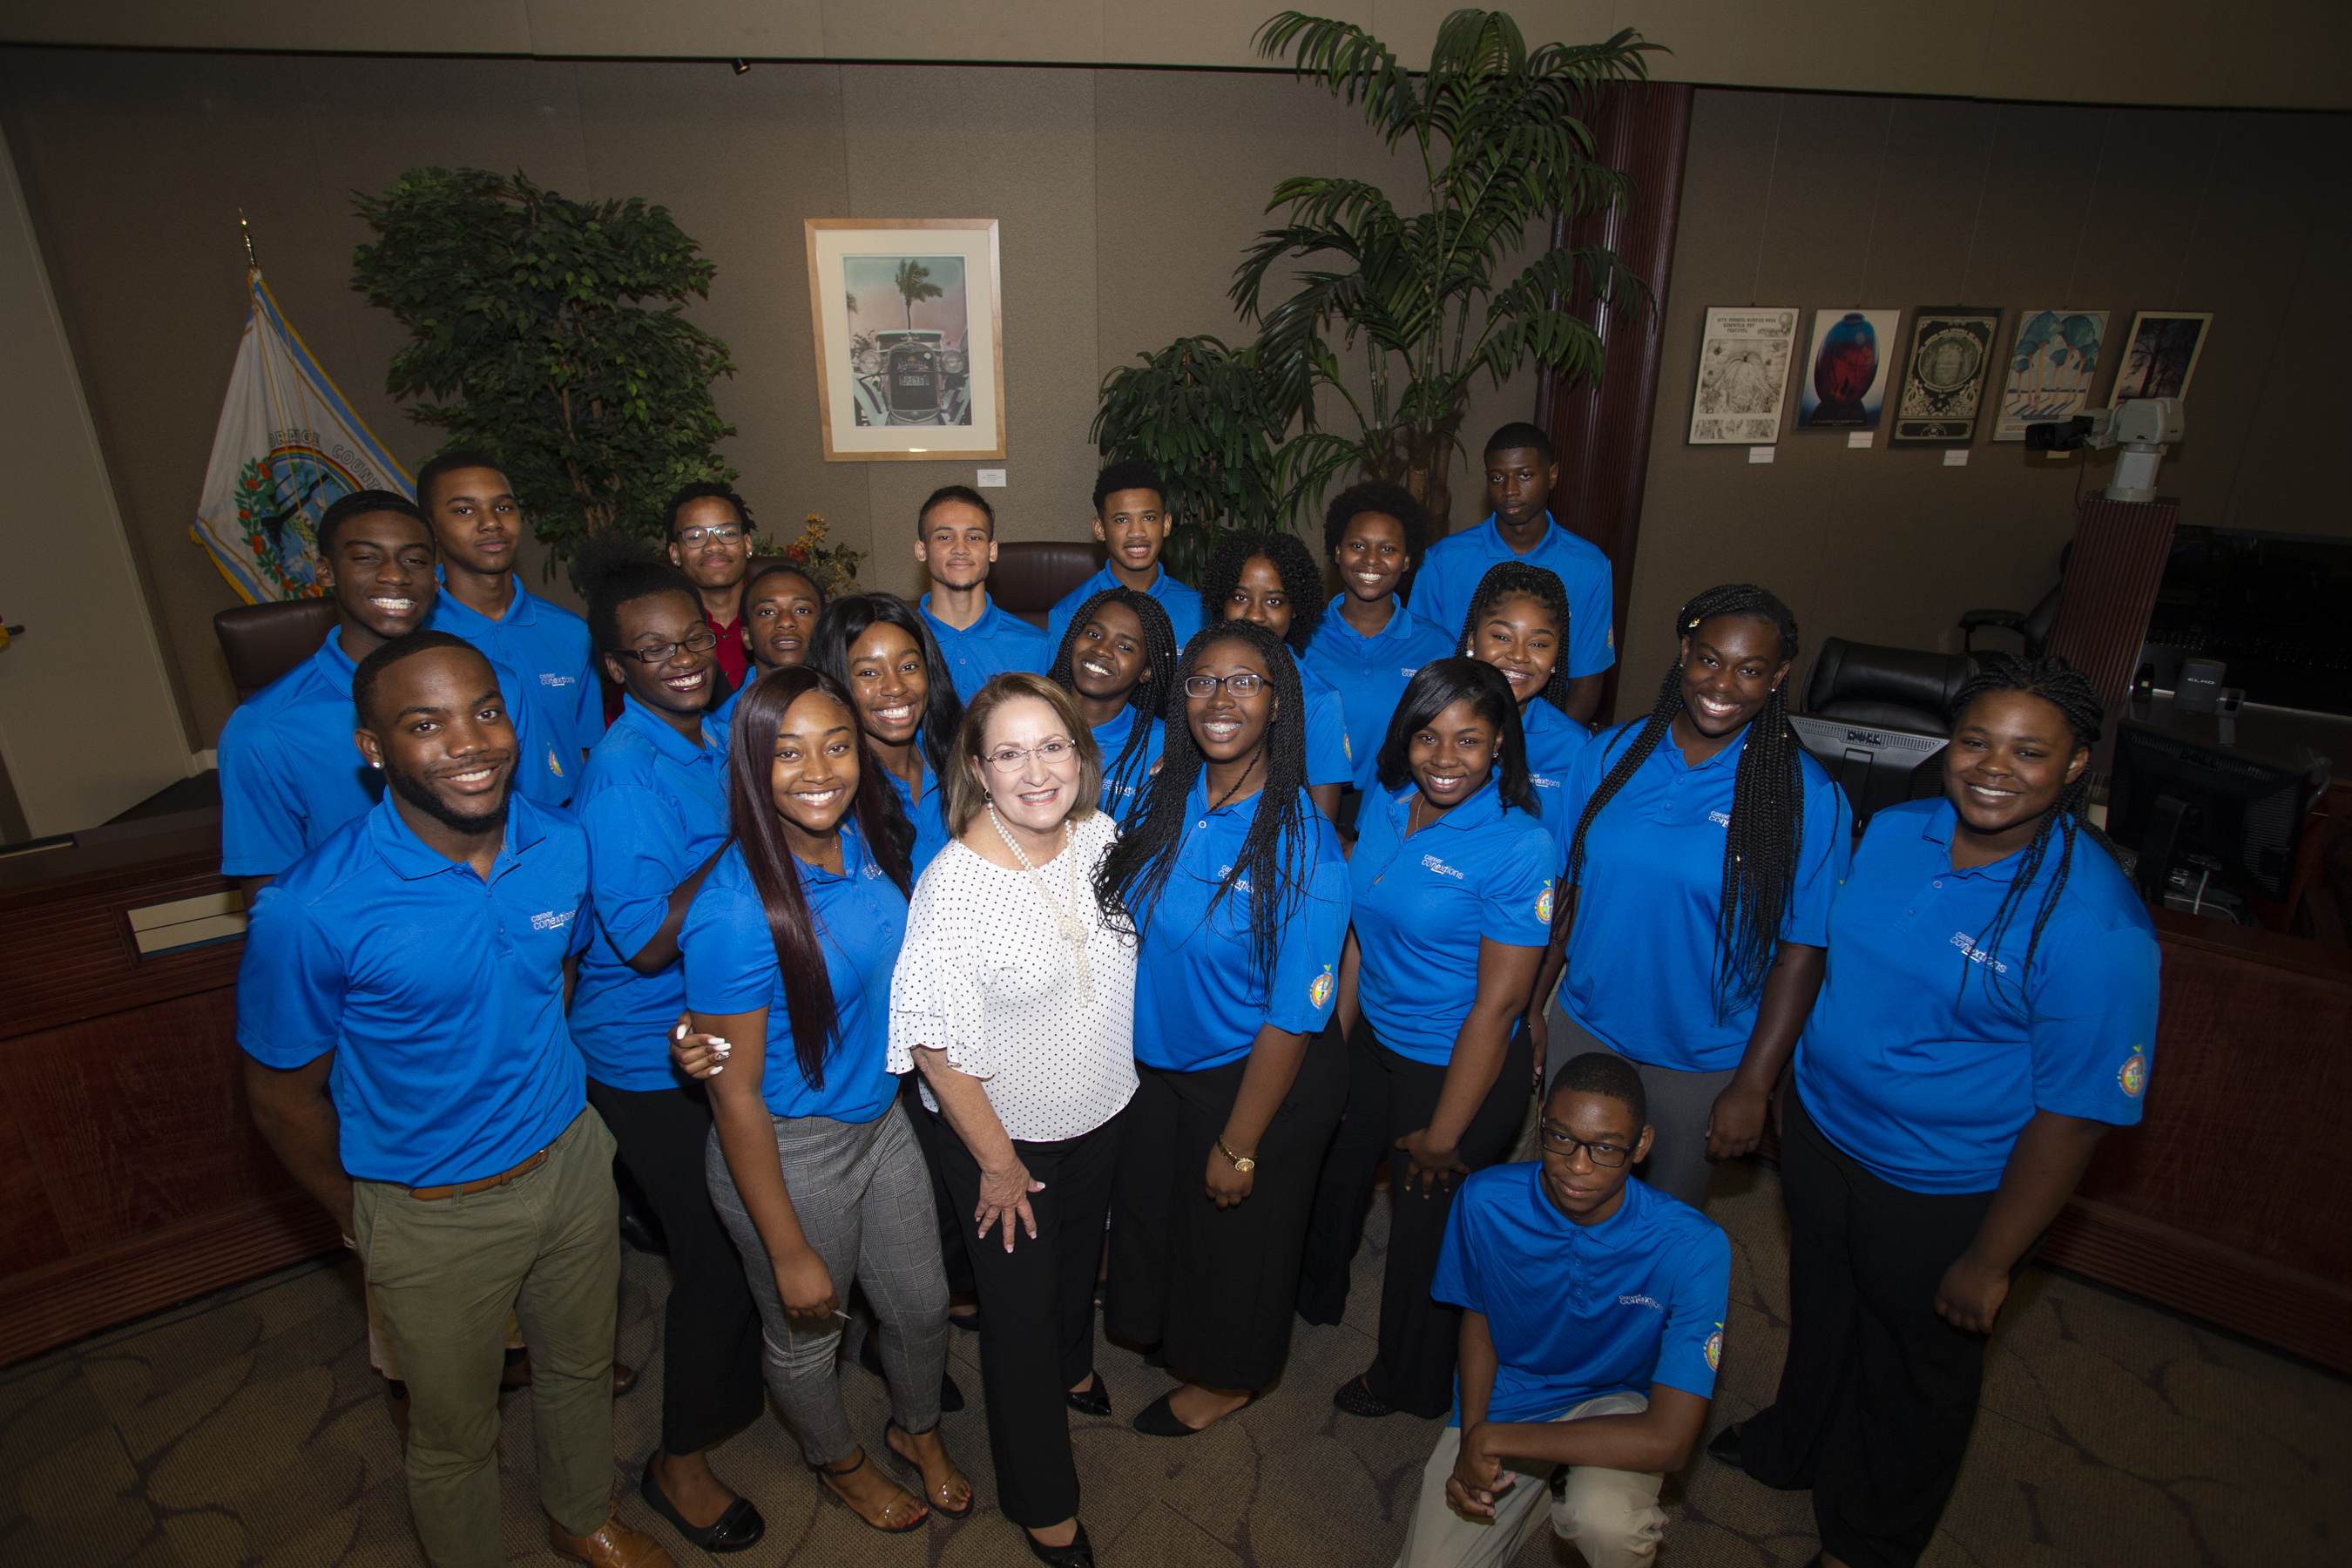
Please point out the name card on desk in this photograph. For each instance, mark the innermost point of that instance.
(187, 923)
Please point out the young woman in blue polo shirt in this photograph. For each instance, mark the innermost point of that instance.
(1269, 580)
(1451, 883)
(1369, 644)
(789, 945)
(1237, 892)
(1517, 622)
(880, 650)
(1989, 1014)
(653, 801)
(1705, 851)
(1117, 661)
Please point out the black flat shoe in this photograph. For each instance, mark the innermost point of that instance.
(1356, 1397)
(1094, 1401)
(1079, 1553)
(1725, 1445)
(869, 1356)
(739, 1527)
(1158, 1418)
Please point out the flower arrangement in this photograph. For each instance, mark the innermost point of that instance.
(832, 567)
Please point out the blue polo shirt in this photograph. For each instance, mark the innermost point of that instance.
(929, 816)
(1641, 963)
(1580, 1311)
(1121, 790)
(1927, 1083)
(1197, 1003)
(1554, 742)
(1369, 674)
(548, 645)
(1452, 568)
(1183, 605)
(440, 994)
(1329, 760)
(988, 648)
(731, 967)
(1422, 904)
(653, 806)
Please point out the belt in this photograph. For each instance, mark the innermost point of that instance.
(482, 1184)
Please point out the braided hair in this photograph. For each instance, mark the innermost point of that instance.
(1766, 834)
(1135, 872)
(2070, 691)
(1302, 580)
(1517, 580)
(1151, 693)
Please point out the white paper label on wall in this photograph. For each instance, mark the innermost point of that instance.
(1761, 454)
(2057, 457)
(992, 478)
(1858, 440)
(1957, 459)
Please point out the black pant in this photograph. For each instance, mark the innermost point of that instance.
(1213, 1287)
(955, 1233)
(1389, 1096)
(1878, 1394)
(710, 1328)
(1037, 1313)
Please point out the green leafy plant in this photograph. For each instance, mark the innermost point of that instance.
(552, 332)
(1199, 411)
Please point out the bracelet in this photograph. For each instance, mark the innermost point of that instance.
(1245, 1164)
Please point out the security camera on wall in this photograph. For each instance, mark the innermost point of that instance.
(2142, 427)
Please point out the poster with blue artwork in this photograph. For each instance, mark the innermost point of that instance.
(1844, 378)
(2051, 369)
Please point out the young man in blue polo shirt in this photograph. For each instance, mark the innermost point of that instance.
(400, 1007)
(1131, 518)
(1592, 1323)
(1520, 474)
(955, 539)
(478, 523)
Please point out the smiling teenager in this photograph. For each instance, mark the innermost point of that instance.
(955, 540)
(1117, 661)
(1368, 644)
(1236, 889)
(1990, 1013)
(1704, 850)
(1016, 1000)
(882, 654)
(1517, 622)
(1269, 580)
(1131, 520)
(709, 528)
(1451, 881)
(788, 944)
(429, 1093)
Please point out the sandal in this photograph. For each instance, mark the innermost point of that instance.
(830, 1475)
(940, 1502)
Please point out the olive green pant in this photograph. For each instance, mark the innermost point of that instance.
(447, 1272)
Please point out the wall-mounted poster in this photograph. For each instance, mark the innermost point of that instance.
(2160, 356)
(1843, 380)
(2050, 369)
(909, 328)
(1944, 376)
(1743, 376)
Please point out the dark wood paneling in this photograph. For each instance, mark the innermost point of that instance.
(67, 955)
(2110, 589)
(29, 1232)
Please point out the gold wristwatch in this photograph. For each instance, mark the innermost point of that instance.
(1243, 1162)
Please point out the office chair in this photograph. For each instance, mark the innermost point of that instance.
(262, 642)
(1030, 578)
(2033, 626)
(1897, 687)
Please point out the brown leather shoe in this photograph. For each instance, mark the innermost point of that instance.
(615, 1546)
(624, 1378)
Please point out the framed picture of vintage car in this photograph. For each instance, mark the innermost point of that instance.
(908, 319)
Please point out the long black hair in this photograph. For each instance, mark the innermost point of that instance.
(1149, 698)
(847, 619)
(614, 570)
(1131, 877)
(2070, 691)
(1517, 580)
(1766, 834)
(1302, 580)
(1439, 685)
(753, 823)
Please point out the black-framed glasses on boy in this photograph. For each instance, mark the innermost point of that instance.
(1243, 683)
(701, 641)
(1560, 1140)
(718, 532)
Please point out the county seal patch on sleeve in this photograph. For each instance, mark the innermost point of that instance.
(1715, 1349)
(1543, 904)
(2132, 1077)
(1319, 989)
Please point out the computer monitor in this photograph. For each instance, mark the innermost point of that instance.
(2176, 799)
(1878, 766)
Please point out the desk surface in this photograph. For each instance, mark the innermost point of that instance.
(2271, 734)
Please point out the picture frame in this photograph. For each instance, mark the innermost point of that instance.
(2053, 361)
(1848, 366)
(1947, 361)
(908, 318)
(1742, 387)
(2160, 354)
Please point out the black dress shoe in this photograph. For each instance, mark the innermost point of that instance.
(1158, 1418)
(1079, 1553)
(1356, 1397)
(739, 1527)
(869, 1356)
(1725, 1445)
(1094, 1400)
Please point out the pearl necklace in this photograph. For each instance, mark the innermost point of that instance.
(1074, 930)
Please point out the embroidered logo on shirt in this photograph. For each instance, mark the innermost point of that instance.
(1319, 989)
(1543, 904)
(550, 919)
(1410, 670)
(547, 679)
(1345, 750)
(1650, 1301)
(1542, 783)
(2134, 1076)
(1720, 818)
(1714, 1347)
(1440, 867)
(554, 764)
(1966, 944)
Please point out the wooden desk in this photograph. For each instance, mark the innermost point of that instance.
(131, 1176)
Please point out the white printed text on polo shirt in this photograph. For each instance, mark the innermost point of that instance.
(550, 919)
(1967, 945)
(1440, 867)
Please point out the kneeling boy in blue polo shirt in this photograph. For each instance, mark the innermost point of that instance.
(1592, 1323)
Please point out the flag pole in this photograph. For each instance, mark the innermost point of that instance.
(247, 228)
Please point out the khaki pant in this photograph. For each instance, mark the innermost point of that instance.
(384, 1357)
(446, 1274)
(1611, 1515)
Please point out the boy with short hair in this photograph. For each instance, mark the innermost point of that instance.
(955, 539)
(1131, 518)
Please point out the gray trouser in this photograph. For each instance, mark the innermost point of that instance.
(1680, 1104)
(1611, 1515)
(862, 1198)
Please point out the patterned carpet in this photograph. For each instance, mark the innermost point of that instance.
(248, 1428)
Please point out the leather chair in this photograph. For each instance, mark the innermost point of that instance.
(263, 642)
(2033, 626)
(1030, 578)
(1893, 688)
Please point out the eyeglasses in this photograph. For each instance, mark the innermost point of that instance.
(1245, 684)
(1053, 753)
(722, 532)
(702, 641)
(1610, 1155)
